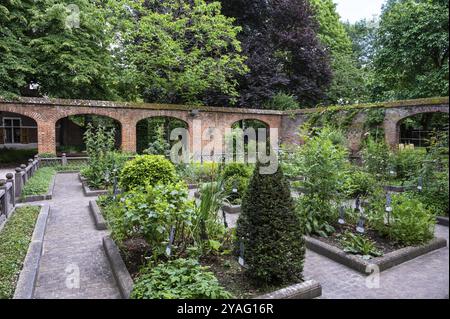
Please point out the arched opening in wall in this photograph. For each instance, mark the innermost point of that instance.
(256, 133)
(418, 129)
(153, 134)
(70, 132)
(18, 138)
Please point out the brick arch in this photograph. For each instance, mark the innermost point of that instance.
(251, 119)
(394, 117)
(36, 116)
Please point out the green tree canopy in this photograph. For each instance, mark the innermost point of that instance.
(348, 83)
(412, 57)
(15, 57)
(183, 52)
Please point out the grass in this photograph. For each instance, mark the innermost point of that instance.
(39, 183)
(15, 157)
(14, 241)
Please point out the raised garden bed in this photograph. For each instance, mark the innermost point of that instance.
(227, 270)
(97, 216)
(393, 255)
(37, 198)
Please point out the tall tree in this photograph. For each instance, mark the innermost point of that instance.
(183, 52)
(71, 49)
(15, 56)
(412, 50)
(284, 53)
(348, 82)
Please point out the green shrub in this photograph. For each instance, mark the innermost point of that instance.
(282, 101)
(359, 183)
(270, 230)
(408, 163)
(435, 193)
(178, 279)
(410, 222)
(194, 173)
(147, 169)
(14, 241)
(236, 178)
(152, 211)
(15, 157)
(39, 183)
(376, 158)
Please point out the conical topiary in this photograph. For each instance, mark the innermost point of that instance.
(270, 230)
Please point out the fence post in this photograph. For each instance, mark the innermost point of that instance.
(18, 182)
(64, 159)
(36, 157)
(30, 163)
(12, 193)
(23, 167)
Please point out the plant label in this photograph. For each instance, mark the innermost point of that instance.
(341, 219)
(171, 239)
(360, 227)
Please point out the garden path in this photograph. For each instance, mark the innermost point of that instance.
(73, 248)
(425, 277)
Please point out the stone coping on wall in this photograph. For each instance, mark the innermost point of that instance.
(442, 220)
(382, 263)
(175, 107)
(309, 289)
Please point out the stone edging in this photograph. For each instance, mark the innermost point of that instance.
(92, 193)
(442, 220)
(38, 198)
(231, 209)
(306, 290)
(119, 270)
(28, 276)
(366, 266)
(100, 223)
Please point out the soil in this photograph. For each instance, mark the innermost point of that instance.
(134, 252)
(382, 243)
(232, 277)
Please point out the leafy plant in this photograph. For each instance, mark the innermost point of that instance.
(150, 212)
(358, 183)
(359, 245)
(410, 222)
(236, 177)
(147, 169)
(316, 215)
(159, 146)
(376, 158)
(178, 279)
(39, 183)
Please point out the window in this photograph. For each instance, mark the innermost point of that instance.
(12, 128)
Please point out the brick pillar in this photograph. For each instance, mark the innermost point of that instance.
(392, 133)
(46, 137)
(129, 136)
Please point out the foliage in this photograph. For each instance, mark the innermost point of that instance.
(40, 182)
(376, 158)
(70, 45)
(14, 240)
(159, 146)
(147, 170)
(236, 177)
(150, 212)
(410, 222)
(272, 33)
(182, 52)
(282, 101)
(15, 157)
(316, 215)
(359, 245)
(348, 83)
(198, 172)
(178, 279)
(16, 59)
(208, 230)
(358, 183)
(270, 230)
(412, 50)
(104, 164)
(408, 163)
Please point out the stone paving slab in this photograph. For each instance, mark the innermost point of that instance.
(73, 246)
